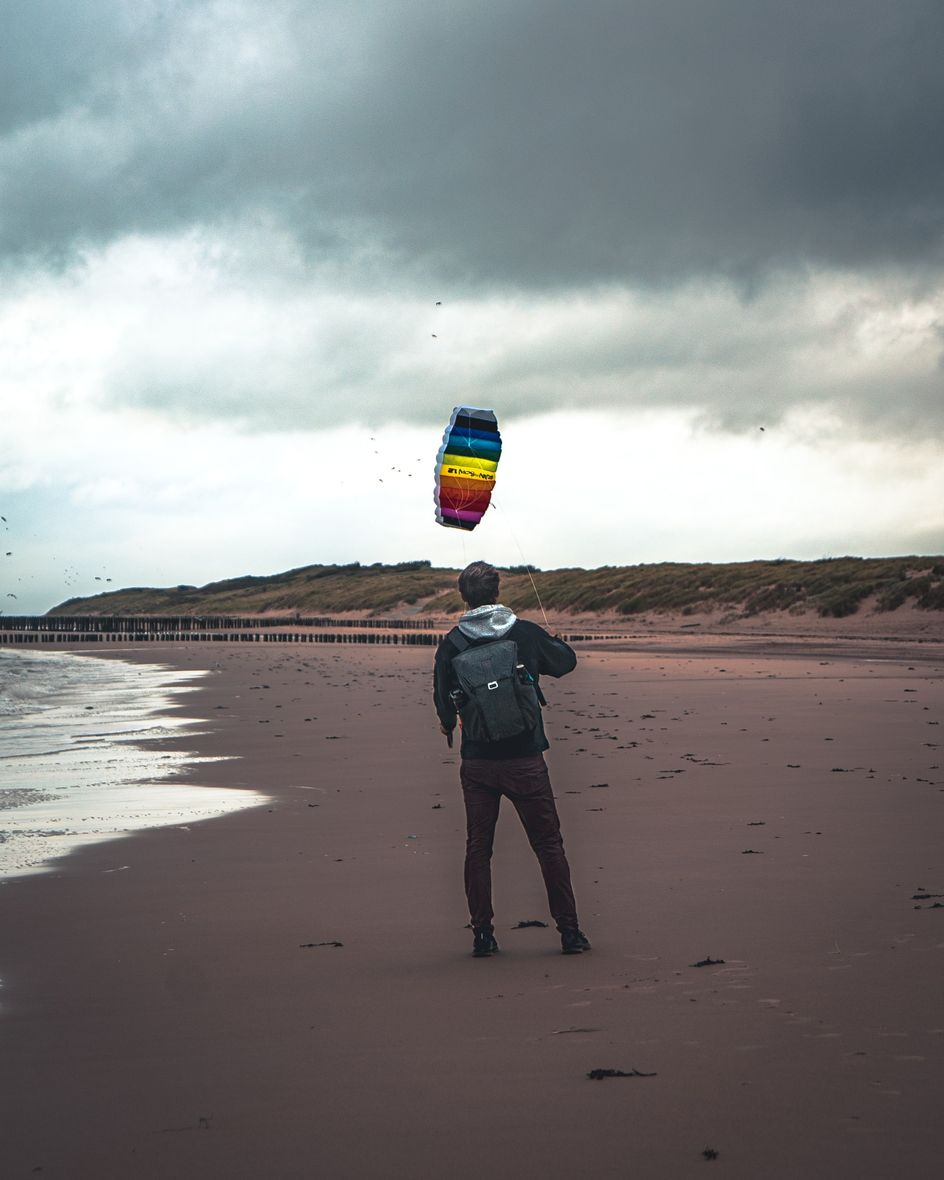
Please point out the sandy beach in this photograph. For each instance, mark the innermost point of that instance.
(754, 830)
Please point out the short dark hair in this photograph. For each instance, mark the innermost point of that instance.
(478, 584)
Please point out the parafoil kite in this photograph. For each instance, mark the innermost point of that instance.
(466, 466)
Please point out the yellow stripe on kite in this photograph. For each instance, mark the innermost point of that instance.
(453, 474)
(461, 464)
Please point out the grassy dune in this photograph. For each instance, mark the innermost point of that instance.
(834, 587)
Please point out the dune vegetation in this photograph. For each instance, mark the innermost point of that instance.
(834, 587)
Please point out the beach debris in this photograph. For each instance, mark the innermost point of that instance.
(597, 1075)
(709, 1153)
(757, 823)
(330, 942)
(203, 1124)
(528, 922)
(707, 962)
(561, 1032)
(923, 895)
(751, 852)
(598, 786)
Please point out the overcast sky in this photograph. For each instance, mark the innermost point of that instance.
(252, 252)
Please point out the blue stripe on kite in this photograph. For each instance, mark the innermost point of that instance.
(476, 429)
(471, 438)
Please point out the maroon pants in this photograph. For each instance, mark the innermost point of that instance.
(526, 783)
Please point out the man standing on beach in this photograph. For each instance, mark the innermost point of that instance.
(512, 766)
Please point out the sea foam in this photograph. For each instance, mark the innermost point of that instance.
(77, 757)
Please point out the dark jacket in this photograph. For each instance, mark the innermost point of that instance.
(541, 654)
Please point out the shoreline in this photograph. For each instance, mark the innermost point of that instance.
(82, 756)
(189, 1015)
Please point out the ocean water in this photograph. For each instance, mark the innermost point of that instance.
(77, 760)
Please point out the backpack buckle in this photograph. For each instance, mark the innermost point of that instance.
(492, 685)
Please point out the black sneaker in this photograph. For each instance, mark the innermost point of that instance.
(485, 943)
(574, 942)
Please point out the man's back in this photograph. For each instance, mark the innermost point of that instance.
(539, 652)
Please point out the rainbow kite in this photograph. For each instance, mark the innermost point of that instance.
(466, 466)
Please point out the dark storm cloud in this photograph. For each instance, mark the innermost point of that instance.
(54, 53)
(535, 144)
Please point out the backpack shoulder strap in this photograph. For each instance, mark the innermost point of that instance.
(458, 640)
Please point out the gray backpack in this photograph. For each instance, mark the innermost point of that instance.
(497, 697)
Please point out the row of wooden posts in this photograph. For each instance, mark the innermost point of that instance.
(182, 623)
(24, 629)
(407, 639)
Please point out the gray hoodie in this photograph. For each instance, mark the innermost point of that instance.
(487, 622)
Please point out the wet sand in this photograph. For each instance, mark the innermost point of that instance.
(176, 1004)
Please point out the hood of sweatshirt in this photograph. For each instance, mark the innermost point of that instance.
(487, 622)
